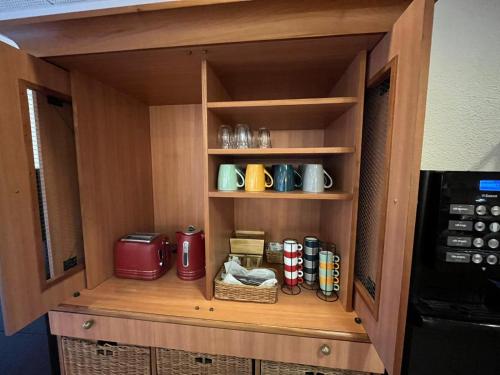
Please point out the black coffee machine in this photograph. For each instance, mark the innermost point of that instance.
(453, 324)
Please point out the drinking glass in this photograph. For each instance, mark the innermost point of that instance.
(242, 136)
(225, 136)
(251, 138)
(264, 138)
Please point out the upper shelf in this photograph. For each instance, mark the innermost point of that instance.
(334, 195)
(282, 151)
(313, 113)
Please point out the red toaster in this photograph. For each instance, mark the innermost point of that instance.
(143, 256)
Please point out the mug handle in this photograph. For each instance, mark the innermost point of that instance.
(300, 274)
(299, 247)
(239, 174)
(300, 260)
(270, 177)
(299, 185)
(328, 185)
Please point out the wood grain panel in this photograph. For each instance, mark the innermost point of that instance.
(409, 41)
(338, 221)
(279, 218)
(314, 113)
(283, 151)
(345, 355)
(257, 70)
(114, 166)
(245, 21)
(278, 195)
(60, 176)
(177, 157)
(20, 273)
(221, 224)
(146, 300)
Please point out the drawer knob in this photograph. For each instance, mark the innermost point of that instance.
(88, 324)
(325, 349)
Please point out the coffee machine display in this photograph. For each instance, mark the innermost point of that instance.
(469, 220)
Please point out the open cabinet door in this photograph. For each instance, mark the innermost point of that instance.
(25, 294)
(391, 152)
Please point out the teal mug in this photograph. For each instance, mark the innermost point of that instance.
(285, 177)
(228, 178)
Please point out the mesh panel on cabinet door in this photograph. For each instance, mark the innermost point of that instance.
(372, 184)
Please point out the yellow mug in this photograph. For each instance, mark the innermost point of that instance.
(255, 178)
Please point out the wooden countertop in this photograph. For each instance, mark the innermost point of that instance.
(172, 300)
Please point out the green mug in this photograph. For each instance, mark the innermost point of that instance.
(228, 178)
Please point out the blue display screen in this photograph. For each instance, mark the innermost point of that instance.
(489, 185)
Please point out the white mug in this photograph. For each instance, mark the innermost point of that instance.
(315, 179)
(292, 246)
(294, 274)
(292, 261)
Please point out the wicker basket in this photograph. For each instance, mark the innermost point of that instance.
(245, 293)
(90, 358)
(178, 362)
(280, 368)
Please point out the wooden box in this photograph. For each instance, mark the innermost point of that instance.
(247, 242)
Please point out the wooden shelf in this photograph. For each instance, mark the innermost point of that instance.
(271, 194)
(314, 113)
(295, 151)
(169, 299)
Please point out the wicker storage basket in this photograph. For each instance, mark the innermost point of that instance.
(178, 362)
(246, 293)
(280, 368)
(90, 358)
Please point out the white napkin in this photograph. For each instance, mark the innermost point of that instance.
(234, 268)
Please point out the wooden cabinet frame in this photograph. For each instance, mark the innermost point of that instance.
(120, 166)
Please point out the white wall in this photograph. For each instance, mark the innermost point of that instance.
(462, 126)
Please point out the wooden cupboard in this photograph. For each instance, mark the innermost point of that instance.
(149, 91)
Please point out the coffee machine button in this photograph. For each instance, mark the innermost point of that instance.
(493, 243)
(494, 227)
(477, 258)
(478, 242)
(481, 210)
(491, 259)
(495, 210)
(480, 226)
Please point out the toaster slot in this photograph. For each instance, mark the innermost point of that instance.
(140, 237)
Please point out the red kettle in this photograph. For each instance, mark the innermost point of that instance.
(190, 254)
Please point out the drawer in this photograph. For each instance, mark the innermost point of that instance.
(232, 342)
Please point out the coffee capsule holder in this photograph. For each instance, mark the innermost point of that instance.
(313, 286)
(291, 290)
(336, 277)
